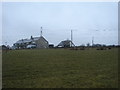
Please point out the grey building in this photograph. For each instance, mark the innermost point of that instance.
(66, 43)
(42, 43)
(33, 42)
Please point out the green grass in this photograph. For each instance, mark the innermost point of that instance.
(60, 68)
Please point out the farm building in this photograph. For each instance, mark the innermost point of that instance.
(66, 43)
(33, 42)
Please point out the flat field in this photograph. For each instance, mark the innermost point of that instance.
(60, 68)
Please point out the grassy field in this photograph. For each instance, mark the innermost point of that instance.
(60, 68)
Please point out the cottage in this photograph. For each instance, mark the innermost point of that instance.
(66, 43)
(33, 42)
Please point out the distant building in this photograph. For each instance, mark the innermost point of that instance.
(33, 42)
(66, 43)
(41, 43)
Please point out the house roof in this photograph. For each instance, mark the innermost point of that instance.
(66, 42)
(36, 38)
(24, 41)
(30, 40)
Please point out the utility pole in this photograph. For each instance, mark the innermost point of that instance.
(92, 41)
(71, 37)
(41, 32)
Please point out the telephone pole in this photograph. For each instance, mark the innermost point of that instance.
(71, 35)
(92, 41)
(41, 32)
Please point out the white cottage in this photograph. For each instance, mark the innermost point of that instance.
(33, 42)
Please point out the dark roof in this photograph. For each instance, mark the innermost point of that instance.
(30, 40)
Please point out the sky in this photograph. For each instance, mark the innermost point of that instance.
(20, 20)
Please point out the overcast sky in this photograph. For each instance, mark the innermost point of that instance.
(20, 20)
